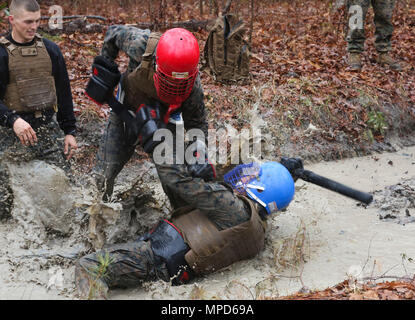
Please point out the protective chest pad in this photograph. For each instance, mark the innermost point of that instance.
(168, 245)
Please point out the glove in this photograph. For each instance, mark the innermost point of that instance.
(292, 164)
(148, 120)
(105, 77)
(205, 170)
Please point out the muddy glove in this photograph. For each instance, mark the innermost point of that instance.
(292, 164)
(105, 77)
(202, 168)
(148, 119)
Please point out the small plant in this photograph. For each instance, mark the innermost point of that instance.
(54, 38)
(376, 121)
(99, 273)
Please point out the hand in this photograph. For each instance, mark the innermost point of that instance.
(24, 132)
(148, 121)
(292, 164)
(204, 170)
(70, 146)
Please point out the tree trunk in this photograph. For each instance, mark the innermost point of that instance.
(252, 22)
(227, 7)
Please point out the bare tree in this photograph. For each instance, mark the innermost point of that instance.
(215, 7)
(227, 7)
(252, 22)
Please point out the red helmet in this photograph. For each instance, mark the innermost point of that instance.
(177, 57)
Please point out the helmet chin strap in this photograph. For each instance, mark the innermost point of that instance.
(262, 203)
(172, 108)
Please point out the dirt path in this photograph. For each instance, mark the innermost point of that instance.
(336, 237)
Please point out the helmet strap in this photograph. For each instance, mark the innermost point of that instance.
(262, 203)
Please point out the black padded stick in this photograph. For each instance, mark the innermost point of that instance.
(310, 176)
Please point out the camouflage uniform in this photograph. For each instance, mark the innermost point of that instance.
(49, 148)
(114, 151)
(383, 10)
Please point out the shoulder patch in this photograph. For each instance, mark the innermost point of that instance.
(4, 41)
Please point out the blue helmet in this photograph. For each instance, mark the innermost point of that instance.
(270, 184)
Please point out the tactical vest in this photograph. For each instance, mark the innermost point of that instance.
(139, 84)
(211, 249)
(31, 85)
(226, 52)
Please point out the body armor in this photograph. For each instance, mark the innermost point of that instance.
(139, 84)
(211, 249)
(31, 85)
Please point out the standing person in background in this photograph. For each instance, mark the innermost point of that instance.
(34, 86)
(383, 10)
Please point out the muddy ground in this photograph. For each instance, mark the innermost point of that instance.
(320, 240)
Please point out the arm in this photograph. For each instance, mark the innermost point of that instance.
(7, 117)
(131, 40)
(65, 115)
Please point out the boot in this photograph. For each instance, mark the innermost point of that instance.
(385, 59)
(355, 61)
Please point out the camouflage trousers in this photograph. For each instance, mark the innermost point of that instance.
(383, 10)
(113, 153)
(49, 149)
(128, 265)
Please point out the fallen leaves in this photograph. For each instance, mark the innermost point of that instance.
(394, 290)
(298, 50)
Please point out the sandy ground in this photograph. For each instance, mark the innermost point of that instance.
(320, 240)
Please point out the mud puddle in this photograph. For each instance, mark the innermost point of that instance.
(320, 240)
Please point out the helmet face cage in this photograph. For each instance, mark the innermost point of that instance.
(240, 177)
(269, 184)
(175, 88)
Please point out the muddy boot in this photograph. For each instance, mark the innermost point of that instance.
(355, 61)
(385, 59)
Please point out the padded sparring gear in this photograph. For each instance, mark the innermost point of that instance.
(270, 184)
(148, 119)
(169, 247)
(105, 77)
(177, 58)
(141, 126)
(292, 164)
(212, 249)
